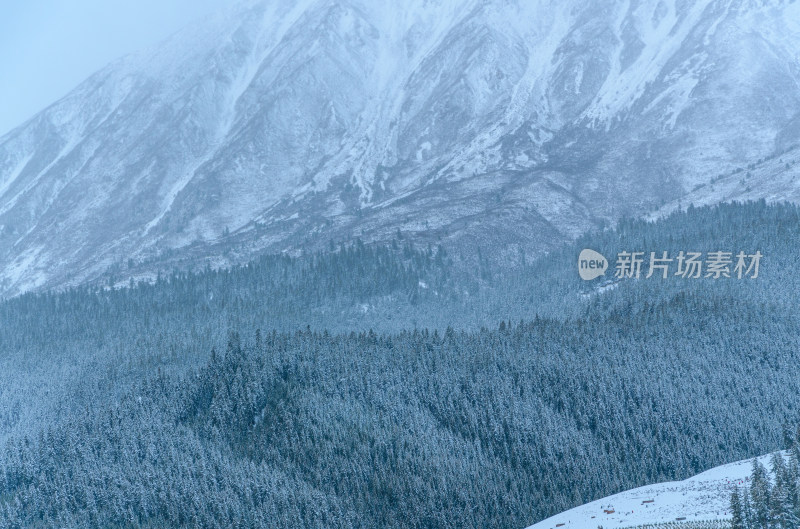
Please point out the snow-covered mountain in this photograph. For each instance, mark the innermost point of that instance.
(705, 497)
(499, 123)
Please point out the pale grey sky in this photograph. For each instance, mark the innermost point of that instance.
(47, 47)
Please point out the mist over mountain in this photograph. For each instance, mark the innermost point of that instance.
(506, 125)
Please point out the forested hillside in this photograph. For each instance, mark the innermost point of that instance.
(258, 397)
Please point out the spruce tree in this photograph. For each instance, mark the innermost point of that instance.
(760, 494)
(737, 519)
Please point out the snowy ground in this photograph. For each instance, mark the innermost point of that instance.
(703, 497)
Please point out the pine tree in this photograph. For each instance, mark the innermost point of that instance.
(780, 506)
(794, 477)
(747, 511)
(760, 496)
(737, 520)
(793, 488)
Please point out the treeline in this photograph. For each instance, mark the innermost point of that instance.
(280, 287)
(694, 524)
(771, 500)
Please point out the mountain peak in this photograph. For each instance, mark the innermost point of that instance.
(276, 126)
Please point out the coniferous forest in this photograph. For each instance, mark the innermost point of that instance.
(401, 386)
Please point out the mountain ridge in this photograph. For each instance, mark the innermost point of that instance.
(510, 126)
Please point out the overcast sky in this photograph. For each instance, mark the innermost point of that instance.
(47, 47)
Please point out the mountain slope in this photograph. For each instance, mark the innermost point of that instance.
(507, 125)
(589, 392)
(701, 498)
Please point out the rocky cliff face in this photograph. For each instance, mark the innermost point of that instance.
(506, 124)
